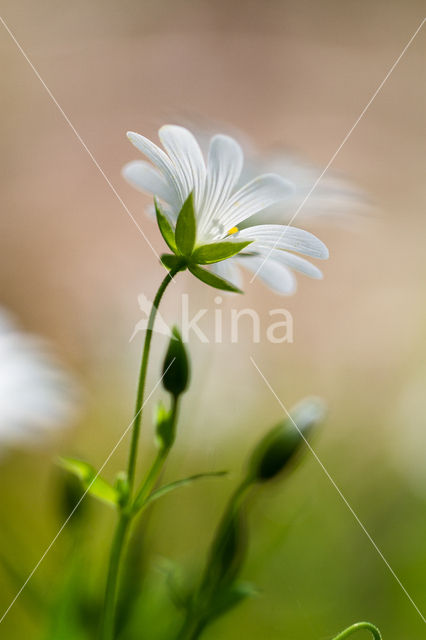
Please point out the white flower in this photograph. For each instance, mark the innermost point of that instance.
(334, 199)
(220, 207)
(36, 395)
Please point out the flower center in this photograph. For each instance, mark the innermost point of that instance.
(232, 231)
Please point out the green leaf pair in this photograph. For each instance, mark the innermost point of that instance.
(103, 491)
(186, 254)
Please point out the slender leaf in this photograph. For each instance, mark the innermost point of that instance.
(91, 481)
(186, 227)
(165, 227)
(177, 484)
(217, 251)
(213, 280)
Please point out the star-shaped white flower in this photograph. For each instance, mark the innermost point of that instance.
(220, 207)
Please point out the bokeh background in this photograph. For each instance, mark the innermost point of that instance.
(289, 74)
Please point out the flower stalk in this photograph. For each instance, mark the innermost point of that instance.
(128, 510)
(131, 467)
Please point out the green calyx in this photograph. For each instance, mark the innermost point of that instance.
(187, 254)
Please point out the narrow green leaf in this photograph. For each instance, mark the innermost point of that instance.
(165, 227)
(186, 227)
(177, 484)
(213, 280)
(92, 483)
(209, 253)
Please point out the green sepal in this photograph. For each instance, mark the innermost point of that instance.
(212, 279)
(170, 261)
(91, 481)
(217, 251)
(165, 227)
(186, 227)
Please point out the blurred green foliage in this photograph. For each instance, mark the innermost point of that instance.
(315, 569)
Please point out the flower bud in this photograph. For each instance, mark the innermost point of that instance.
(176, 366)
(279, 446)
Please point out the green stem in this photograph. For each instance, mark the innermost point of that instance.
(131, 467)
(157, 466)
(108, 621)
(126, 515)
(357, 627)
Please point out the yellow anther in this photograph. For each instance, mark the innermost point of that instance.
(232, 231)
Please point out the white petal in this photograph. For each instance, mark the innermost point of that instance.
(144, 177)
(229, 270)
(159, 158)
(285, 237)
(297, 263)
(187, 158)
(253, 197)
(225, 163)
(274, 274)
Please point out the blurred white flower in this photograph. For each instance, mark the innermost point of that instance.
(36, 394)
(333, 199)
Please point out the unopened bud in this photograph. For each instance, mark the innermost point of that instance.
(279, 446)
(176, 366)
